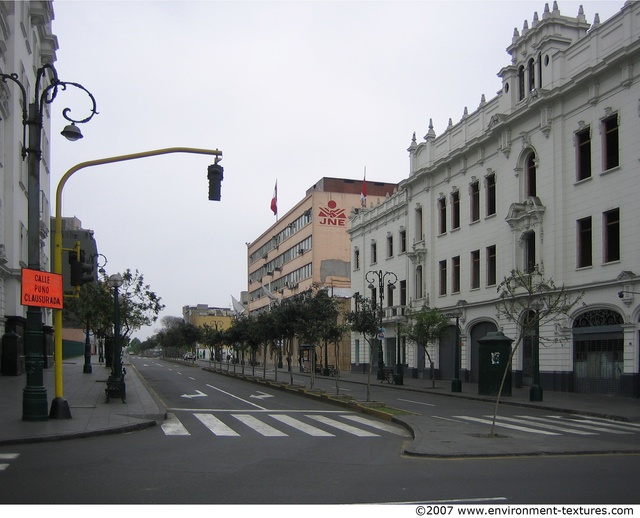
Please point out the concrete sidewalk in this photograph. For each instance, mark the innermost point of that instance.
(433, 437)
(85, 394)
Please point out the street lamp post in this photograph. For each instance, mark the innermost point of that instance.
(369, 277)
(115, 384)
(456, 383)
(34, 400)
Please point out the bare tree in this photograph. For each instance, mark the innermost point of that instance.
(531, 302)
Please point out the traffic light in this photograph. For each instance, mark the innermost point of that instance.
(81, 271)
(215, 174)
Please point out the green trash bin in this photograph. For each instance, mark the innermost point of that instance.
(495, 349)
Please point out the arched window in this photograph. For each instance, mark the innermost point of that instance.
(530, 176)
(531, 69)
(529, 242)
(520, 83)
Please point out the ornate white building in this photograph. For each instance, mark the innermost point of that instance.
(26, 43)
(545, 175)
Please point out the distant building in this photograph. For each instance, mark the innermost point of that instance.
(309, 246)
(201, 315)
(541, 178)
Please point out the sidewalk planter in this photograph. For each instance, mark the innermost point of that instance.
(495, 349)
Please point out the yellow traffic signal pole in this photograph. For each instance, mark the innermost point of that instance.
(59, 406)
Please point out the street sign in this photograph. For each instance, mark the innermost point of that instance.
(381, 333)
(42, 289)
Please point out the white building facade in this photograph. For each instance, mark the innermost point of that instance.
(26, 44)
(543, 176)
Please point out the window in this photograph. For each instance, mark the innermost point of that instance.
(530, 176)
(443, 277)
(491, 265)
(390, 245)
(403, 293)
(390, 289)
(583, 144)
(520, 83)
(611, 225)
(529, 241)
(442, 211)
(475, 269)
(531, 69)
(610, 144)
(403, 241)
(455, 209)
(356, 259)
(374, 252)
(474, 190)
(455, 277)
(418, 234)
(419, 281)
(584, 242)
(491, 194)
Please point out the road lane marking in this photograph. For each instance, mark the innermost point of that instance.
(301, 426)
(505, 425)
(216, 426)
(259, 426)
(385, 427)
(173, 426)
(540, 423)
(416, 402)
(236, 397)
(342, 426)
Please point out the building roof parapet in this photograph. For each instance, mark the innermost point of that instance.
(382, 209)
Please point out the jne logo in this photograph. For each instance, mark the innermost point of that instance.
(331, 216)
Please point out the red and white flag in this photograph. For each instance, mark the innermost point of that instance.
(274, 200)
(363, 192)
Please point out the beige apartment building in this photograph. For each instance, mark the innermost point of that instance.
(309, 246)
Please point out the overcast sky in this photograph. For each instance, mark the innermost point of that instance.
(288, 91)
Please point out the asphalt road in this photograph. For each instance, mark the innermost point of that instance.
(218, 450)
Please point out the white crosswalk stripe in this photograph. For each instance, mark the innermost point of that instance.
(7, 456)
(237, 424)
(301, 426)
(216, 426)
(259, 426)
(557, 424)
(342, 426)
(173, 426)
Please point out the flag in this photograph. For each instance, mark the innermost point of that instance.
(363, 192)
(274, 200)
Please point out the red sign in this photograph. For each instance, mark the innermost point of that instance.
(331, 216)
(42, 289)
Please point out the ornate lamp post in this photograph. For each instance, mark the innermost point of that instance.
(34, 401)
(391, 283)
(456, 383)
(115, 383)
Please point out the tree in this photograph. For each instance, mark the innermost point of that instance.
(287, 316)
(364, 320)
(177, 336)
(425, 327)
(139, 305)
(319, 321)
(531, 302)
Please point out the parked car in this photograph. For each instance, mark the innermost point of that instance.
(189, 357)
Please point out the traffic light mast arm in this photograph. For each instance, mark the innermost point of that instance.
(57, 259)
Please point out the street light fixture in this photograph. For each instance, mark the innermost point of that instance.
(369, 277)
(34, 398)
(115, 384)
